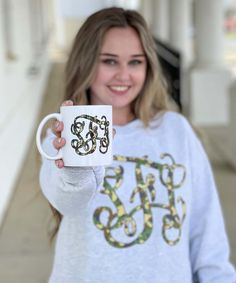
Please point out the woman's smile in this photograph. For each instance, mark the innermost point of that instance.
(119, 89)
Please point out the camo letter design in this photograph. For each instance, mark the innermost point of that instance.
(87, 143)
(124, 220)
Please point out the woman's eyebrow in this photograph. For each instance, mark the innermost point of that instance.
(114, 55)
(108, 54)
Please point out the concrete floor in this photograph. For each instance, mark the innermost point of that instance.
(25, 251)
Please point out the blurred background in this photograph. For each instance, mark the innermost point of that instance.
(196, 45)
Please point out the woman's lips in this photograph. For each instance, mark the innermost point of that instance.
(119, 89)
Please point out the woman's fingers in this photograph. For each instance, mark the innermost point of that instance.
(59, 163)
(57, 128)
(58, 125)
(58, 143)
(67, 103)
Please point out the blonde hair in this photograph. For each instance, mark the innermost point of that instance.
(82, 62)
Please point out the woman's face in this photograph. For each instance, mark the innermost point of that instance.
(121, 70)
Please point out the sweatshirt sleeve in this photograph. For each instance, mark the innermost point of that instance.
(69, 189)
(209, 248)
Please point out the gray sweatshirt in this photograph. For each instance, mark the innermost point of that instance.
(152, 217)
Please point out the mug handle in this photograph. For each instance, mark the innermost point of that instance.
(38, 136)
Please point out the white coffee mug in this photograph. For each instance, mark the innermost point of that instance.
(88, 134)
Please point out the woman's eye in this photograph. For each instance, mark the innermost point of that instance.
(135, 62)
(109, 61)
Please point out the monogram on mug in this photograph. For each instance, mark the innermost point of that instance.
(88, 134)
(93, 137)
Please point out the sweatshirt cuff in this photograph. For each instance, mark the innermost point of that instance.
(70, 174)
(75, 174)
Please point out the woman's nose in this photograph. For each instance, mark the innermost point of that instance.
(123, 73)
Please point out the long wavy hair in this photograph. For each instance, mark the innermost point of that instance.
(82, 63)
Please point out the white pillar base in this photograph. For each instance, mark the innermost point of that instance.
(209, 101)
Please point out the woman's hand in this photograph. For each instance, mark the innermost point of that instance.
(59, 142)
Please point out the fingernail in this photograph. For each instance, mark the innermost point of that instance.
(56, 125)
(69, 102)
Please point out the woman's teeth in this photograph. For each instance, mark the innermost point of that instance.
(119, 88)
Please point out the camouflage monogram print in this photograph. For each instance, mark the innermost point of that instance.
(147, 194)
(87, 145)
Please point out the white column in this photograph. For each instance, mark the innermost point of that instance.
(6, 29)
(2, 56)
(60, 37)
(20, 98)
(160, 19)
(209, 33)
(21, 33)
(2, 49)
(36, 26)
(46, 12)
(209, 79)
(146, 10)
(179, 17)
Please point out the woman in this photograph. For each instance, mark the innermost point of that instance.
(155, 215)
